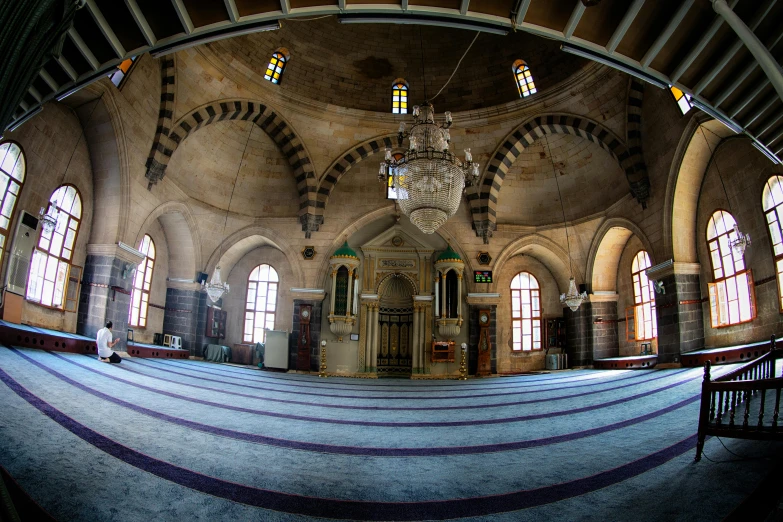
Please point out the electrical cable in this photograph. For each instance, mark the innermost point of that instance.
(457, 67)
(562, 205)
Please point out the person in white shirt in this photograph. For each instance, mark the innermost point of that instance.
(105, 345)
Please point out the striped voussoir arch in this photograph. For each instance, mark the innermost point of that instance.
(161, 150)
(483, 199)
(640, 182)
(270, 122)
(344, 164)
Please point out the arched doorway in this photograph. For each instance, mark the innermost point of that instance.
(395, 323)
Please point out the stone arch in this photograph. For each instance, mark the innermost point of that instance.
(606, 250)
(276, 127)
(344, 163)
(182, 237)
(633, 135)
(688, 168)
(549, 253)
(237, 245)
(484, 197)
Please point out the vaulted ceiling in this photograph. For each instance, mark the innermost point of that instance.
(678, 42)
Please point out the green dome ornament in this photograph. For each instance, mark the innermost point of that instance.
(345, 251)
(449, 255)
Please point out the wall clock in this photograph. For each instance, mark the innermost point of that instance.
(303, 345)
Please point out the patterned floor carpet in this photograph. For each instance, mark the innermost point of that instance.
(188, 440)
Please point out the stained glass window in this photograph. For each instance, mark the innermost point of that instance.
(54, 251)
(260, 303)
(119, 74)
(731, 295)
(392, 191)
(276, 66)
(525, 312)
(683, 99)
(142, 284)
(772, 201)
(524, 79)
(646, 326)
(400, 97)
(12, 171)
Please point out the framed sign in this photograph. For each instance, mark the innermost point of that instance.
(482, 276)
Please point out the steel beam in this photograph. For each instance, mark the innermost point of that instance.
(141, 21)
(48, 79)
(35, 94)
(463, 8)
(772, 122)
(761, 110)
(699, 47)
(66, 66)
(767, 62)
(233, 12)
(183, 15)
(573, 21)
(744, 103)
(285, 6)
(725, 93)
(106, 29)
(625, 23)
(523, 6)
(653, 51)
(77, 40)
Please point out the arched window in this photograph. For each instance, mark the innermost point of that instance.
(54, 251)
(392, 191)
(772, 201)
(276, 66)
(400, 97)
(645, 322)
(260, 304)
(524, 79)
(731, 295)
(525, 312)
(683, 100)
(142, 284)
(12, 171)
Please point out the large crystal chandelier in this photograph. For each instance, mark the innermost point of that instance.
(572, 299)
(429, 178)
(215, 288)
(48, 217)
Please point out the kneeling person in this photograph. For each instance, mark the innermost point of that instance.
(105, 345)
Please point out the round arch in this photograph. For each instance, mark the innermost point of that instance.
(606, 250)
(177, 221)
(546, 251)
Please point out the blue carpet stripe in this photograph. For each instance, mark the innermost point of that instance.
(350, 509)
(377, 408)
(208, 367)
(441, 424)
(634, 375)
(373, 451)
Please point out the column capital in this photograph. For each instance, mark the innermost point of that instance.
(485, 299)
(120, 250)
(308, 294)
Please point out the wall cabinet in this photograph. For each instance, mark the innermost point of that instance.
(216, 323)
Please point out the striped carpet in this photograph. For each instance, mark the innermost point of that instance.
(161, 439)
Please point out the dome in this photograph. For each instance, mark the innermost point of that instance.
(345, 251)
(449, 255)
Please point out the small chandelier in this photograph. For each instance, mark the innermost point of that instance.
(740, 242)
(429, 178)
(48, 217)
(215, 288)
(573, 299)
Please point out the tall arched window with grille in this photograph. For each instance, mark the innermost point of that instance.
(731, 295)
(525, 312)
(260, 304)
(772, 202)
(276, 66)
(524, 78)
(645, 322)
(52, 256)
(683, 100)
(142, 284)
(400, 97)
(12, 172)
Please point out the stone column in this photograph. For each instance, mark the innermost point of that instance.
(476, 302)
(181, 314)
(106, 285)
(679, 309)
(421, 303)
(415, 344)
(603, 310)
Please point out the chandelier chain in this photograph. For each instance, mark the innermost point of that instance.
(562, 205)
(715, 162)
(458, 64)
(231, 197)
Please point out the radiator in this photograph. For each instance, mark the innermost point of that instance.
(558, 361)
